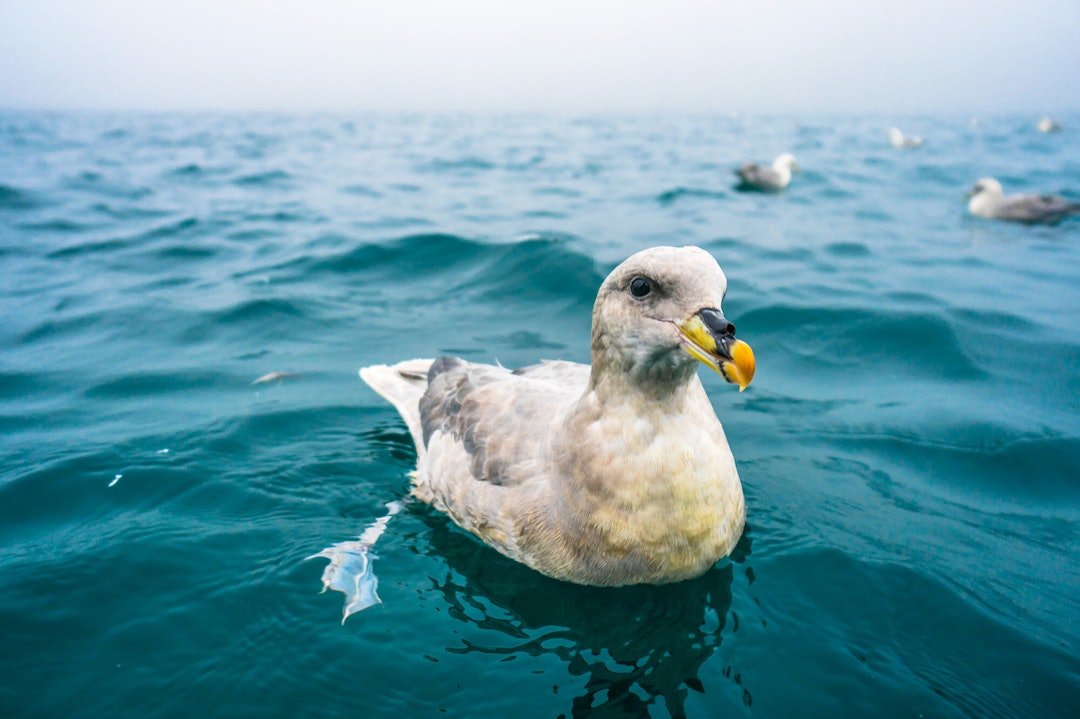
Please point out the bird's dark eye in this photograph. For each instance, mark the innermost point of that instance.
(640, 287)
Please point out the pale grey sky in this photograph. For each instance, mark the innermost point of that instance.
(557, 55)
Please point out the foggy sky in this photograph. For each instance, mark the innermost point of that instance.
(557, 56)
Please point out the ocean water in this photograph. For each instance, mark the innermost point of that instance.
(909, 449)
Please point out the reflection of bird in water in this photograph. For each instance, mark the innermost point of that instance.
(634, 646)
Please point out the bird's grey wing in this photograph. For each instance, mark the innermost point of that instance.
(749, 172)
(568, 378)
(1036, 208)
(1052, 208)
(494, 421)
(486, 430)
(759, 176)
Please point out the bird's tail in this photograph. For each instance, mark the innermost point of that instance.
(402, 385)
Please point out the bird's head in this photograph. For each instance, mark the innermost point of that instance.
(659, 311)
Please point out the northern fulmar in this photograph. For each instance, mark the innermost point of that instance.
(899, 139)
(774, 178)
(988, 199)
(611, 474)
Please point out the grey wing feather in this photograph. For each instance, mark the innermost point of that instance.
(493, 479)
(1037, 208)
(754, 174)
(481, 408)
(749, 172)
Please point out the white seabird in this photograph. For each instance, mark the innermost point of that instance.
(753, 176)
(1048, 124)
(611, 474)
(987, 199)
(899, 139)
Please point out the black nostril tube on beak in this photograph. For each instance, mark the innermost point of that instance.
(716, 323)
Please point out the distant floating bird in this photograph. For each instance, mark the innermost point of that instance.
(1048, 124)
(899, 139)
(608, 475)
(753, 176)
(987, 199)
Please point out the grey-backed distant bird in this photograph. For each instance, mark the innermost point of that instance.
(1048, 124)
(987, 199)
(611, 474)
(753, 176)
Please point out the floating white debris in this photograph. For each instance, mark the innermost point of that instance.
(270, 377)
(163, 451)
(115, 479)
(350, 571)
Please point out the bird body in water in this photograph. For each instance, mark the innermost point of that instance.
(774, 178)
(988, 199)
(608, 474)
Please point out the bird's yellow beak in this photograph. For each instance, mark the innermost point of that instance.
(709, 338)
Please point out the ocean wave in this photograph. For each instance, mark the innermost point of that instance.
(511, 274)
(669, 197)
(459, 165)
(59, 225)
(14, 198)
(158, 384)
(265, 179)
(259, 310)
(872, 340)
(172, 230)
(361, 191)
(970, 464)
(935, 659)
(97, 183)
(195, 172)
(487, 271)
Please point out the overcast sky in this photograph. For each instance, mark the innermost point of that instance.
(557, 55)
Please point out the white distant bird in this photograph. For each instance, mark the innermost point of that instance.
(1048, 124)
(987, 199)
(899, 139)
(753, 176)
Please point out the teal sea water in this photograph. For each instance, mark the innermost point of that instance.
(910, 447)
